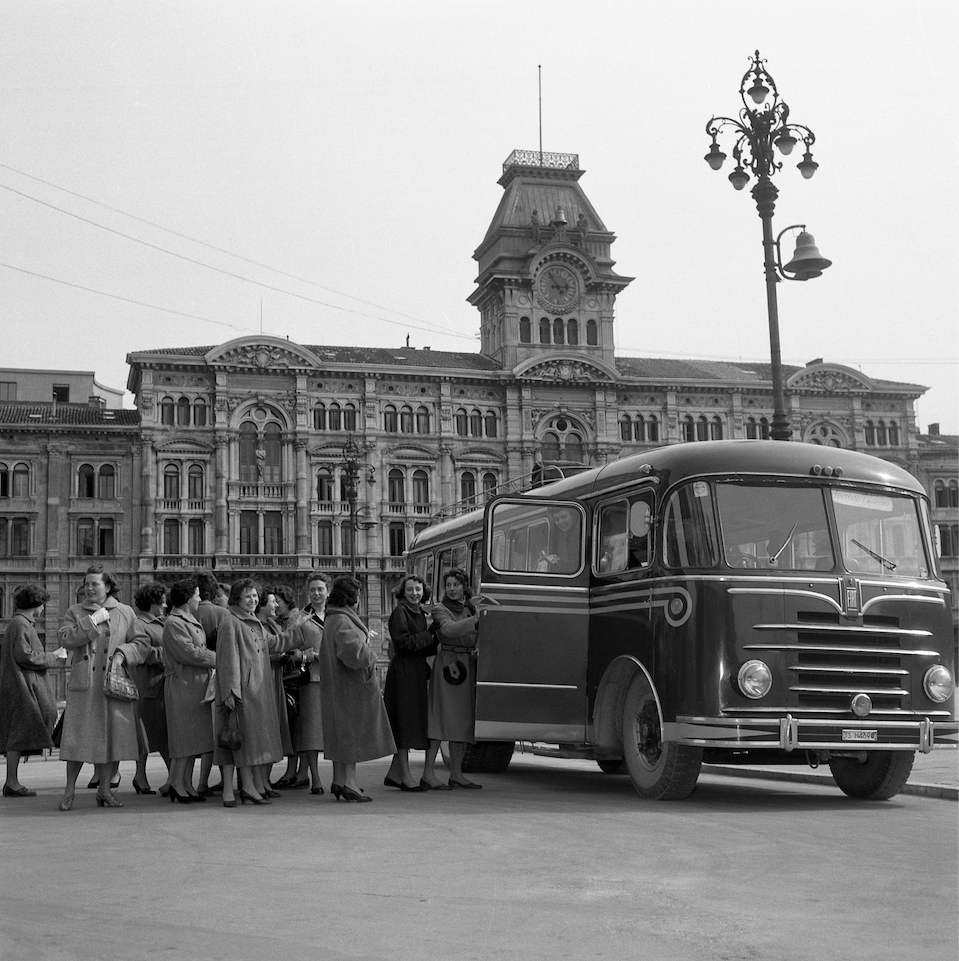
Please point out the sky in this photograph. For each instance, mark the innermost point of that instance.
(183, 173)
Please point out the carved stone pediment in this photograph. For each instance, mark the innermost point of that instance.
(263, 354)
(830, 379)
(184, 447)
(565, 371)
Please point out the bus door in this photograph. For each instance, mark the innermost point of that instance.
(534, 631)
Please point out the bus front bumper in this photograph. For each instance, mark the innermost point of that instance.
(789, 733)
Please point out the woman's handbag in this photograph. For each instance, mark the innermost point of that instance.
(117, 683)
(228, 729)
(295, 674)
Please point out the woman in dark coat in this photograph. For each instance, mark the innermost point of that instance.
(244, 680)
(210, 614)
(266, 615)
(28, 710)
(407, 681)
(355, 725)
(188, 666)
(150, 604)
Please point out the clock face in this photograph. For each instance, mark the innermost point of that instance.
(558, 287)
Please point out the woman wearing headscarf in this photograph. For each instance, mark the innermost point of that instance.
(98, 729)
(355, 725)
(28, 709)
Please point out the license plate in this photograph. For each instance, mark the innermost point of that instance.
(856, 734)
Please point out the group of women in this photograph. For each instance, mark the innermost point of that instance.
(210, 680)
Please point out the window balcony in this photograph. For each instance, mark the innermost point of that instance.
(260, 562)
(176, 562)
(262, 492)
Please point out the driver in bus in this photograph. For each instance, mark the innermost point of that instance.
(563, 542)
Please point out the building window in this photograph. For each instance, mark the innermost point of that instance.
(324, 538)
(61, 393)
(572, 332)
(19, 537)
(716, 428)
(421, 492)
(86, 481)
(397, 539)
(462, 422)
(525, 332)
(349, 418)
(105, 540)
(476, 424)
(171, 483)
(893, 434)
(652, 428)
(948, 540)
(107, 483)
(591, 333)
(319, 417)
(85, 537)
(406, 420)
(490, 484)
(183, 412)
(544, 330)
(324, 486)
(422, 420)
(702, 428)
(196, 536)
(550, 446)
(688, 428)
(273, 445)
(171, 536)
(336, 421)
(348, 536)
(491, 423)
(195, 487)
(953, 494)
(199, 413)
(167, 411)
(468, 488)
(248, 445)
(870, 434)
(625, 428)
(272, 532)
(558, 331)
(396, 484)
(757, 429)
(249, 535)
(21, 480)
(4, 481)
(390, 421)
(881, 438)
(8, 390)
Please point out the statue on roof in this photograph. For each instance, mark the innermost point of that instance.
(535, 225)
(582, 227)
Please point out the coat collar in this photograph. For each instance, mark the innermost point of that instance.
(185, 616)
(110, 603)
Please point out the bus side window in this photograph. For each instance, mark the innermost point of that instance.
(476, 564)
(498, 551)
(624, 530)
(691, 534)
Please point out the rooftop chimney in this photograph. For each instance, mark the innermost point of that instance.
(934, 430)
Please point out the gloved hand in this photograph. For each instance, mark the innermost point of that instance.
(100, 615)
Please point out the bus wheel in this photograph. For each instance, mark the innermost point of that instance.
(878, 778)
(612, 765)
(484, 757)
(659, 771)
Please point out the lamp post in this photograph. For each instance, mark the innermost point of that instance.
(763, 126)
(351, 473)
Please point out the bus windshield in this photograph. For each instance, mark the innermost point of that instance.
(775, 527)
(879, 533)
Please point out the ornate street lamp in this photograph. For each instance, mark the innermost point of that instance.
(351, 473)
(763, 127)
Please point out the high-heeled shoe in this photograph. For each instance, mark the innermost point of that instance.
(110, 801)
(66, 803)
(230, 804)
(389, 782)
(336, 790)
(17, 791)
(176, 796)
(348, 794)
(143, 790)
(165, 790)
(269, 792)
(196, 798)
(316, 790)
(94, 782)
(244, 797)
(285, 782)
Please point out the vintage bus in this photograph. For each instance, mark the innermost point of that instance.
(733, 602)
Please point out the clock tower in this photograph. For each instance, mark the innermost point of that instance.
(546, 285)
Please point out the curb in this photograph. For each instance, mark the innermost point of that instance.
(938, 791)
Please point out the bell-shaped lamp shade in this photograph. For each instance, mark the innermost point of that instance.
(807, 262)
(758, 91)
(739, 178)
(807, 166)
(715, 157)
(785, 143)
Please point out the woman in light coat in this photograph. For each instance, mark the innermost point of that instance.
(355, 725)
(28, 709)
(97, 729)
(188, 663)
(244, 681)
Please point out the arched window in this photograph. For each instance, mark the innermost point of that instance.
(171, 482)
(574, 449)
(21, 480)
(199, 412)
(893, 434)
(4, 481)
(273, 445)
(390, 423)
(324, 486)
(349, 417)
(195, 487)
(702, 428)
(716, 428)
(86, 481)
(752, 429)
(592, 338)
(422, 420)
(550, 446)
(764, 428)
(625, 428)
(870, 434)
(572, 332)
(490, 484)
(953, 494)
(558, 331)
(942, 498)
(491, 421)
(167, 411)
(396, 484)
(196, 537)
(525, 331)
(462, 422)
(247, 451)
(335, 419)
(476, 424)
(639, 429)
(319, 417)
(881, 439)
(107, 483)
(652, 428)
(406, 420)
(544, 330)
(171, 536)
(183, 412)
(688, 428)
(421, 492)
(468, 487)
(85, 537)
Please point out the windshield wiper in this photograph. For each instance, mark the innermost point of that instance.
(888, 564)
(775, 557)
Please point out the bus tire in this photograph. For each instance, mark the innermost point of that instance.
(878, 778)
(484, 757)
(612, 765)
(659, 771)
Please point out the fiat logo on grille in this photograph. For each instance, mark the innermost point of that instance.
(861, 705)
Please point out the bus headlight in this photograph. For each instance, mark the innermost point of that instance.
(938, 683)
(755, 679)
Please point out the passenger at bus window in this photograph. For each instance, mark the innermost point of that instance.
(612, 555)
(563, 543)
(639, 527)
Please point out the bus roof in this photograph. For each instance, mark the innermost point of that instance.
(679, 461)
